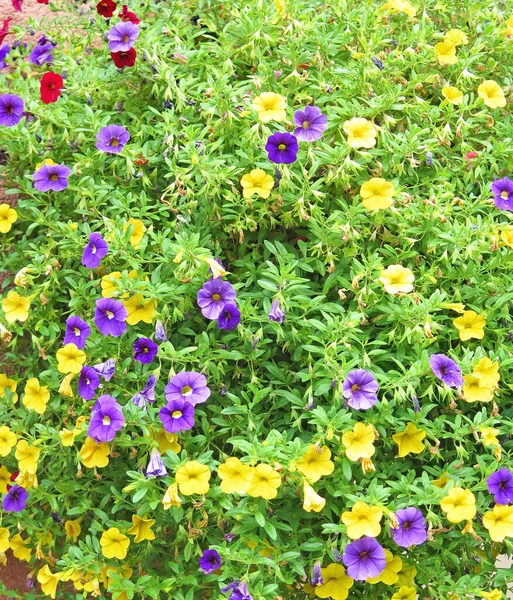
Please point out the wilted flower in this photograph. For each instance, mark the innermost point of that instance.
(160, 332)
(276, 314)
(155, 466)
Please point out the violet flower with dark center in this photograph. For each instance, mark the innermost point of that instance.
(502, 190)
(122, 36)
(360, 389)
(11, 110)
(155, 465)
(15, 499)
(112, 139)
(177, 416)
(282, 148)
(229, 317)
(106, 419)
(51, 177)
(106, 369)
(95, 250)
(77, 332)
(412, 528)
(145, 350)
(213, 296)
(316, 575)
(210, 561)
(310, 123)
(500, 484)
(110, 317)
(276, 314)
(41, 54)
(189, 386)
(88, 383)
(446, 370)
(364, 558)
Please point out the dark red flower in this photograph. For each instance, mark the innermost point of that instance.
(43, 1)
(5, 29)
(12, 479)
(17, 4)
(51, 86)
(124, 59)
(106, 8)
(126, 15)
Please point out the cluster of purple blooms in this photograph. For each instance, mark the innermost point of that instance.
(217, 301)
(183, 392)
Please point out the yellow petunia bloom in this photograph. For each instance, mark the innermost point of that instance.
(360, 133)
(73, 529)
(445, 52)
(457, 37)
(475, 391)
(487, 372)
(362, 520)
(7, 440)
(15, 307)
(491, 94)
(470, 325)
(459, 505)
(507, 237)
(138, 230)
(8, 216)
(27, 457)
(171, 497)
(48, 581)
(406, 576)
(21, 278)
(397, 279)
(265, 482)
(377, 194)
(68, 437)
(236, 477)
(5, 480)
(499, 522)
(8, 384)
(336, 583)
(19, 549)
(4, 539)
(270, 107)
(316, 463)
(139, 309)
(359, 443)
(405, 593)
(167, 441)
(400, 6)
(65, 387)
(70, 359)
(258, 182)
(509, 27)
(27, 480)
(110, 288)
(94, 455)
(489, 436)
(36, 396)
(217, 269)
(452, 94)
(114, 544)
(141, 528)
(409, 440)
(311, 500)
(494, 594)
(193, 478)
(390, 575)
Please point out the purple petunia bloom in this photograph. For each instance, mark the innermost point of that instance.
(160, 332)
(155, 465)
(239, 591)
(412, 527)
(95, 250)
(364, 558)
(210, 561)
(88, 383)
(229, 317)
(276, 314)
(11, 110)
(4, 51)
(500, 484)
(189, 386)
(41, 54)
(15, 499)
(310, 123)
(282, 148)
(360, 389)
(112, 139)
(106, 419)
(177, 416)
(147, 394)
(502, 190)
(122, 36)
(145, 350)
(110, 316)
(51, 177)
(213, 296)
(106, 369)
(446, 370)
(77, 332)
(317, 578)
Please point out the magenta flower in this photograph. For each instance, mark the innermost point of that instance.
(122, 36)
(11, 110)
(95, 250)
(500, 484)
(229, 317)
(177, 416)
(446, 370)
(51, 177)
(145, 350)
(77, 332)
(360, 388)
(502, 190)
(188, 386)
(112, 139)
(364, 558)
(276, 314)
(412, 528)
(210, 561)
(88, 383)
(110, 316)
(310, 124)
(282, 148)
(213, 296)
(15, 499)
(106, 419)
(155, 466)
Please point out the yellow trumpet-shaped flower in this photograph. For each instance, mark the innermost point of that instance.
(270, 107)
(452, 94)
(445, 52)
(459, 505)
(410, 440)
(15, 307)
(7, 440)
(359, 443)
(8, 216)
(475, 391)
(171, 497)
(316, 463)
(27, 457)
(312, 501)
(36, 396)
(265, 482)
(360, 133)
(336, 583)
(138, 230)
(491, 94)
(377, 194)
(257, 182)
(93, 454)
(70, 359)
(48, 581)
(236, 477)
(397, 279)
(141, 529)
(499, 522)
(193, 478)
(362, 520)
(470, 325)
(390, 575)
(114, 544)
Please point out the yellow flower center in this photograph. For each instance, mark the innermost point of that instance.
(176, 414)
(126, 38)
(76, 331)
(355, 387)
(106, 420)
(186, 390)
(305, 125)
(54, 177)
(109, 314)
(114, 142)
(504, 195)
(282, 147)
(216, 297)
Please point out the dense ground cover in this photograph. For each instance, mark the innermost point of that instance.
(258, 309)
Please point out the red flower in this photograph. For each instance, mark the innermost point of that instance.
(43, 1)
(106, 8)
(17, 4)
(5, 29)
(124, 59)
(126, 15)
(51, 86)
(471, 155)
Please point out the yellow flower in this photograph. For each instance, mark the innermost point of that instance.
(20, 551)
(4, 539)
(5, 480)
(193, 478)
(359, 443)
(258, 182)
(108, 284)
(405, 593)
(36, 396)
(70, 359)
(312, 501)
(507, 237)
(235, 477)
(215, 267)
(5, 334)
(406, 576)
(457, 37)
(455, 306)
(94, 455)
(377, 194)
(27, 457)
(138, 230)
(409, 440)
(362, 520)
(171, 497)
(474, 391)
(27, 480)
(8, 216)
(270, 107)
(73, 529)
(114, 544)
(494, 594)
(15, 307)
(336, 583)
(459, 505)
(452, 94)
(7, 440)
(139, 309)
(316, 463)
(397, 6)
(470, 325)
(141, 528)
(21, 278)
(48, 581)
(445, 52)
(488, 436)
(65, 387)
(46, 161)
(167, 441)
(487, 372)
(389, 576)
(9, 384)
(397, 279)
(491, 93)
(265, 482)
(360, 133)
(509, 27)
(499, 522)
(68, 436)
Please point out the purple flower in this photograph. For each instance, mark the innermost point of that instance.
(229, 317)
(11, 110)
(282, 148)
(77, 332)
(213, 296)
(364, 558)
(106, 419)
(95, 250)
(145, 350)
(446, 370)
(147, 394)
(229, 537)
(4, 51)
(41, 54)
(189, 386)
(51, 177)
(122, 36)
(500, 485)
(155, 465)
(412, 527)
(88, 383)
(239, 591)
(106, 369)
(310, 124)
(317, 575)
(210, 561)
(112, 138)
(160, 332)
(15, 499)
(110, 316)
(276, 314)
(177, 416)
(360, 389)
(502, 190)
